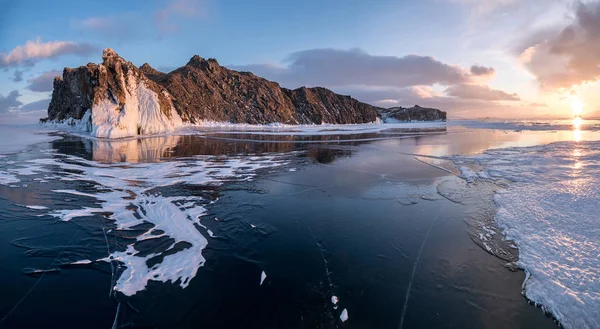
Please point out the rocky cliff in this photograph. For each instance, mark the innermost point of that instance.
(415, 113)
(114, 99)
(117, 99)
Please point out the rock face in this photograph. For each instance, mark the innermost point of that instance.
(117, 99)
(416, 113)
(114, 97)
(203, 90)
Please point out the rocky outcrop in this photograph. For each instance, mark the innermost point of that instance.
(203, 90)
(115, 97)
(119, 99)
(416, 113)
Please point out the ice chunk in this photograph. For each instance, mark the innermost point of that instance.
(263, 276)
(344, 315)
(334, 300)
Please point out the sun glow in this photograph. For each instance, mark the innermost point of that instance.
(577, 122)
(576, 106)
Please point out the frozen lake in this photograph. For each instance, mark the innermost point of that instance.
(231, 227)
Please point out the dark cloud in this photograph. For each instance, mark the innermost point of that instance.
(482, 70)
(33, 51)
(9, 102)
(333, 67)
(571, 56)
(405, 96)
(41, 105)
(388, 80)
(17, 76)
(481, 92)
(44, 82)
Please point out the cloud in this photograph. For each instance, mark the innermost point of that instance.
(33, 51)
(569, 57)
(481, 92)
(41, 105)
(17, 76)
(389, 80)
(482, 70)
(9, 102)
(334, 67)
(166, 17)
(99, 23)
(484, 7)
(127, 26)
(44, 82)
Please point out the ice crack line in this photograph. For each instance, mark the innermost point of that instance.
(327, 272)
(414, 270)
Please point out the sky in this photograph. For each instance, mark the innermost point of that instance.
(518, 59)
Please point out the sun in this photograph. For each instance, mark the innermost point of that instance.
(576, 106)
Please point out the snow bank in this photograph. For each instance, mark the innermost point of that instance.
(550, 210)
(305, 130)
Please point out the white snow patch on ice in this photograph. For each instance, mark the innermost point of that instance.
(82, 262)
(37, 207)
(550, 210)
(130, 195)
(7, 178)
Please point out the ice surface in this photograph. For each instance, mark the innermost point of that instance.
(263, 276)
(518, 125)
(15, 138)
(129, 194)
(550, 210)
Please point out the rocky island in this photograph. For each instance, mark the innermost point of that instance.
(117, 99)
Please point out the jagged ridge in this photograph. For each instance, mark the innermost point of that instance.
(122, 100)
